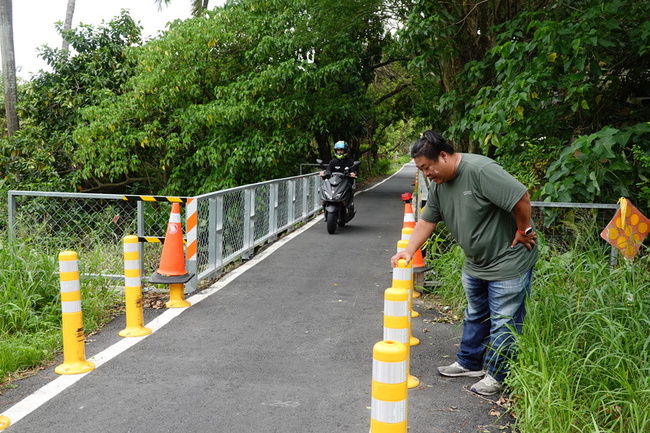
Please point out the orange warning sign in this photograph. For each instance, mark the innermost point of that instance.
(627, 230)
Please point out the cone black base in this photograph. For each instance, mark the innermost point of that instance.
(157, 278)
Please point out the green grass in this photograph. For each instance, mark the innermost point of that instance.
(30, 307)
(584, 356)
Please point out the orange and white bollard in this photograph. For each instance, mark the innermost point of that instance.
(403, 278)
(133, 290)
(397, 324)
(4, 422)
(389, 407)
(74, 353)
(409, 216)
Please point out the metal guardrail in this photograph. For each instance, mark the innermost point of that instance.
(230, 223)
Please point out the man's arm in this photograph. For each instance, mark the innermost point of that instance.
(522, 211)
(423, 229)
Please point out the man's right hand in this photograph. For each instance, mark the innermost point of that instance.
(401, 255)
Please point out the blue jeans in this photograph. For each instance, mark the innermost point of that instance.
(495, 311)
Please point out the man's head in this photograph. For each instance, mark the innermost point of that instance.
(435, 157)
(429, 145)
(340, 149)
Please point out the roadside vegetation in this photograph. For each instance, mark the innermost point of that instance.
(584, 356)
(30, 316)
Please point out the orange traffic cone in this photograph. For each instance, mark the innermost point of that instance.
(418, 262)
(409, 216)
(172, 262)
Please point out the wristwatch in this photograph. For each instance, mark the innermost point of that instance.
(526, 232)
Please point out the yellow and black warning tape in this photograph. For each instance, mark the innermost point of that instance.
(154, 239)
(159, 239)
(160, 198)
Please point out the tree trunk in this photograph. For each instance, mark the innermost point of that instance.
(324, 151)
(69, 13)
(8, 66)
(471, 39)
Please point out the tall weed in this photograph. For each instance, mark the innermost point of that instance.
(30, 307)
(584, 356)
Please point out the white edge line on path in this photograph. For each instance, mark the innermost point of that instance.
(32, 402)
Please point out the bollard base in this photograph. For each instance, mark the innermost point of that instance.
(415, 313)
(4, 422)
(139, 331)
(177, 297)
(412, 382)
(414, 341)
(178, 304)
(75, 367)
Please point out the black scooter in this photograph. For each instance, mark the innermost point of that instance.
(337, 197)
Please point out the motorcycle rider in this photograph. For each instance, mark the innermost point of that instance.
(343, 164)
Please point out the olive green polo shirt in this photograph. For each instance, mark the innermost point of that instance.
(476, 207)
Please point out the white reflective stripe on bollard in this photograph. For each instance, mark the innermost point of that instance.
(396, 308)
(389, 372)
(70, 306)
(390, 412)
(401, 335)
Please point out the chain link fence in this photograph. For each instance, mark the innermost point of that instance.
(230, 224)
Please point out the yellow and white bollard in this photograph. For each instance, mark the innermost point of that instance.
(406, 237)
(401, 245)
(4, 422)
(406, 233)
(74, 352)
(389, 407)
(397, 324)
(133, 290)
(403, 278)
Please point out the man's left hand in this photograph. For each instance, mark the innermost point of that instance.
(528, 241)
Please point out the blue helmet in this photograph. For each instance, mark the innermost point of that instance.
(340, 145)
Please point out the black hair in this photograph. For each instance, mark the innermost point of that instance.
(429, 145)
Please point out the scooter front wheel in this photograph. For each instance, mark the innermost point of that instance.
(330, 218)
(343, 218)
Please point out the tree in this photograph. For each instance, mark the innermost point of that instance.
(567, 91)
(236, 96)
(42, 151)
(8, 66)
(198, 6)
(448, 36)
(69, 13)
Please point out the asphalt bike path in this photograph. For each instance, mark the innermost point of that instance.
(281, 344)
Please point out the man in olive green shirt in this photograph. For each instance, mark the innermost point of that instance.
(489, 213)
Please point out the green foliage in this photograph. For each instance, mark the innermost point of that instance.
(30, 312)
(583, 358)
(233, 97)
(599, 167)
(557, 75)
(41, 156)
